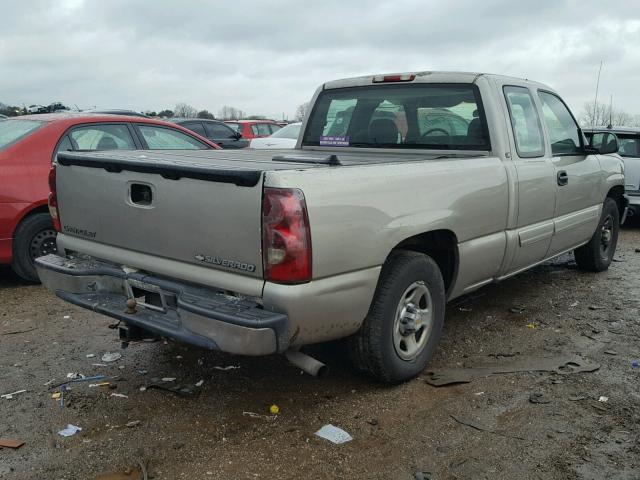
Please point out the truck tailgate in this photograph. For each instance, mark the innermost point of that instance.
(193, 210)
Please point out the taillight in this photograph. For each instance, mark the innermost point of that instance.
(53, 199)
(286, 238)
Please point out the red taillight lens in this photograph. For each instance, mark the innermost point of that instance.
(409, 77)
(286, 238)
(53, 199)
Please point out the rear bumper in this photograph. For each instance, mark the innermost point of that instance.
(184, 312)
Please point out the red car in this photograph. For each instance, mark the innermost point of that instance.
(254, 128)
(29, 144)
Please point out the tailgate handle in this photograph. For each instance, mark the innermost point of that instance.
(141, 194)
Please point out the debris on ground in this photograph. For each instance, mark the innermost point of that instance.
(119, 395)
(69, 431)
(200, 383)
(596, 307)
(75, 376)
(182, 390)
(274, 409)
(56, 395)
(603, 399)
(133, 423)
(517, 309)
(10, 443)
(422, 476)
(538, 398)
(481, 428)
(168, 379)
(561, 365)
(111, 357)
(258, 415)
(531, 325)
(611, 352)
(101, 384)
(9, 396)
(90, 355)
(228, 367)
(334, 434)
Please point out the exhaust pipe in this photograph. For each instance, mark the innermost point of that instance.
(306, 363)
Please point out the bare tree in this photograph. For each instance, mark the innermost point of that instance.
(302, 111)
(230, 113)
(185, 110)
(600, 114)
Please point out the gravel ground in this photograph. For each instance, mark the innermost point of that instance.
(398, 432)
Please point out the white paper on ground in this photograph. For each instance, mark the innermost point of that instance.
(69, 431)
(334, 434)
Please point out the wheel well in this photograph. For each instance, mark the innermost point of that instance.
(617, 194)
(33, 211)
(442, 246)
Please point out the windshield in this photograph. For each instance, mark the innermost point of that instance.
(290, 131)
(13, 130)
(424, 116)
(628, 145)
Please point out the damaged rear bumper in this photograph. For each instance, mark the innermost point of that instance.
(184, 312)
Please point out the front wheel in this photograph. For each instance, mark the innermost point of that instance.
(597, 255)
(404, 323)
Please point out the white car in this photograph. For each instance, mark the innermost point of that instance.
(286, 137)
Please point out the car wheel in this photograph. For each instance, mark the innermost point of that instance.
(597, 255)
(404, 323)
(34, 237)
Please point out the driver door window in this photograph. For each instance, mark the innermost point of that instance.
(564, 133)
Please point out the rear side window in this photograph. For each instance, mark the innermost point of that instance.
(237, 127)
(102, 137)
(195, 127)
(628, 145)
(161, 138)
(563, 130)
(274, 127)
(416, 116)
(525, 122)
(261, 129)
(13, 130)
(217, 130)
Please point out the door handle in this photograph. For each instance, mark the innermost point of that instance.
(563, 178)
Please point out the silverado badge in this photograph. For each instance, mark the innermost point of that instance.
(225, 262)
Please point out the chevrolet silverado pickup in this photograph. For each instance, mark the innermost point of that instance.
(404, 191)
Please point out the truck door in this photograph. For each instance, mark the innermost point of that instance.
(578, 177)
(535, 184)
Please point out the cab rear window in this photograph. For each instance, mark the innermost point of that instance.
(13, 130)
(417, 116)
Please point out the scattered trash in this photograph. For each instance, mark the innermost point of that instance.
(119, 395)
(15, 332)
(133, 423)
(596, 307)
(75, 376)
(538, 398)
(200, 383)
(517, 309)
(481, 428)
(56, 395)
(168, 379)
(182, 390)
(99, 365)
(90, 355)
(228, 367)
(179, 357)
(143, 389)
(465, 309)
(258, 415)
(603, 399)
(142, 372)
(49, 382)
(422, 476)
(101, 384)
(334, 434)
(111, 357)
(478, 394)
(561, 365)
(610, 352)
(9, 396)
(274, 409)
(69, 431)
(9, 443)
(82, 378)
(574, 304)
(531, 325)
(67, 317)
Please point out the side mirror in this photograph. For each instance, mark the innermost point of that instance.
(237, 136)
(604, 143)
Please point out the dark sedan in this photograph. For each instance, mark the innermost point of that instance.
(217, 132)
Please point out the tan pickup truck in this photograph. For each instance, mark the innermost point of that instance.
(404, 191)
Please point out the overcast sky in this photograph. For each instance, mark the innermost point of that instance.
(267, 57)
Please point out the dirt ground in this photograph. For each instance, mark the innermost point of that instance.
(401, 432)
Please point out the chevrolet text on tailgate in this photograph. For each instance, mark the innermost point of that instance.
(404, 191)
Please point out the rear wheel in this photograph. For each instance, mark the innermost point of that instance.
(597, 255)
(34, 237)
(404, 323)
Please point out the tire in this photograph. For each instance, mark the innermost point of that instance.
(383, 347)
(35, 236)
(597, 255)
